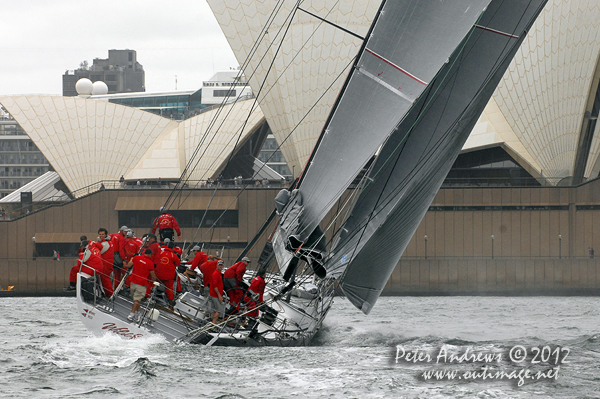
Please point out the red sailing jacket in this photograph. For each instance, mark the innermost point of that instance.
(108, 256)
(166, 221)
(236, 271)
(207, 269)
(168, 261)
(258, 287)
(130, 248)
(118, 241)
(199, 259)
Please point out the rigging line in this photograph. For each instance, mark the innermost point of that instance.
(241, 131)
(271, 88)
(255, 45)
(340, 94)
(291, 18)
(201, 221)
(286, 138)
(264, 80)
(332, 24)
(294, 129)
(217, 114)
(291, 63)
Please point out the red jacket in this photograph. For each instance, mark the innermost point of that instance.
(168, 261)
(130, 248)
(236, 271)
(258, 287)
(216, 283)
(207, 269)
(155, 247)
(108, 256)
(91, 257)
(165, 221)
(118, 240)
(199, 259)
(142, 266)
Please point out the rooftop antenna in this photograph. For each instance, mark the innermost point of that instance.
(175, 82)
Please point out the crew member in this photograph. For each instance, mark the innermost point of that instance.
(142, 269)
(107, 253)
(166, 225)
(216, 292)
(199, 257)
(92, 259)
(207, 269)
(155, 247)
(165, 269)
(75, 269)
(118, 240)
(254, 295)
(131, 246)
(233, 278)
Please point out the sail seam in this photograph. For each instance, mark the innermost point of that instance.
(496, 31)
(396, 66)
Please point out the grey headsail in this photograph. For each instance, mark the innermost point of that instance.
(418, 155)
(408, 43)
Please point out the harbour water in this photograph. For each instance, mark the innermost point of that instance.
(47, 353)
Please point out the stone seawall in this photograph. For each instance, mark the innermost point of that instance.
(571, 276)
(46, 277)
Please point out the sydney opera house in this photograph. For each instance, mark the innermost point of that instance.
(517, 214)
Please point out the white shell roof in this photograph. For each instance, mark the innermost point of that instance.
(42, 189)
(536, 111)
(85, 140)
(88, 140)
(218, 131)
(311, 62)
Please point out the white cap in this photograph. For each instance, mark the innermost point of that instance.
(124, 228)
(220, 262)
(246, 259)
(196, 248)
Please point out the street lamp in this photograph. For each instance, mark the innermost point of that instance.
(228, 248)
(425, 246)
(559, 246)
(492, 246)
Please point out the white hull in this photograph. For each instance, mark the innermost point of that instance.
(295, 323)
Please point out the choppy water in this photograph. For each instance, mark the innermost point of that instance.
(47, 353)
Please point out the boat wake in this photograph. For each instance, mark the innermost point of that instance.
(110, 350)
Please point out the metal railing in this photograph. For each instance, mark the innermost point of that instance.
(13, 211)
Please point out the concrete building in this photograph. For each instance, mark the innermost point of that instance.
(120, 71)
(21, 161)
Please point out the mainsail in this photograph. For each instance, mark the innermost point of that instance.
(407, 45)
(418, 155)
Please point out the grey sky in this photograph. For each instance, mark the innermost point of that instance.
(41, 39)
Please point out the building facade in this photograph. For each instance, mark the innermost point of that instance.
(20, 159)
(120, 71)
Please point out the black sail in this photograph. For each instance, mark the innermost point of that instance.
(408, 44)
(417, 157)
